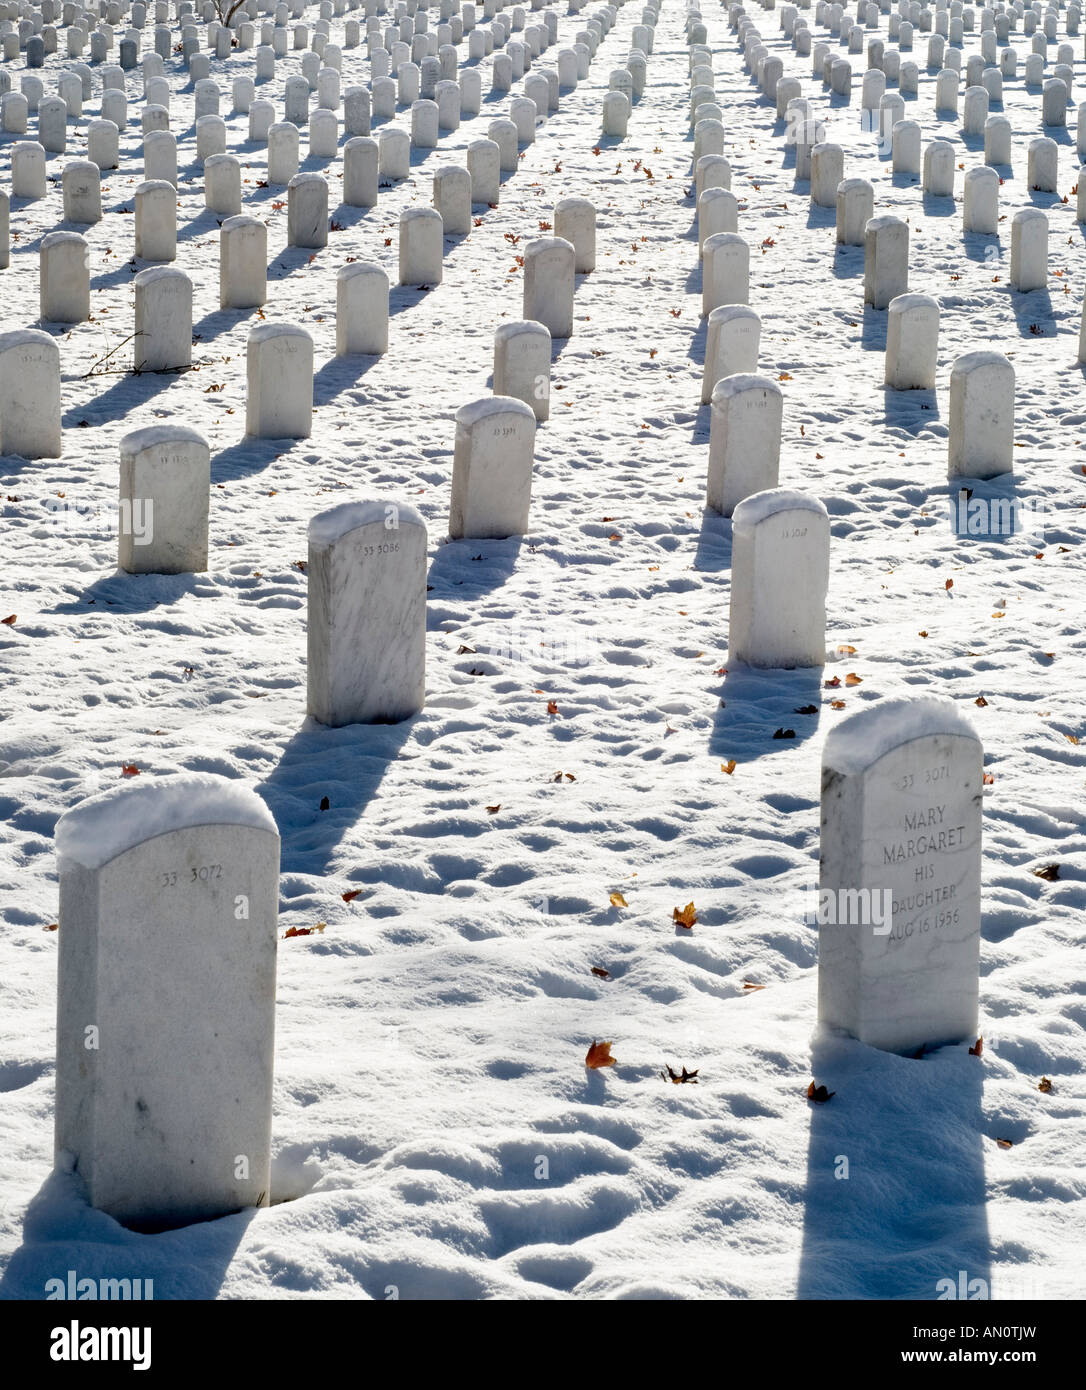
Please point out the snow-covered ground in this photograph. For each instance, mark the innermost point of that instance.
(431, 1040)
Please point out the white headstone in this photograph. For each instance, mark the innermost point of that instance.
(163, 333)
(279, 370)
(780, 573)
(64, 278)
(981, 425)
(492, 468)
(243, 263)
(725, 271)
(367, 614)
(744, 439)
(169, 894)
(361, 309)
(899, 884)
(731, 345)
(912, 342)
(522, 364)
(164, 490)
(30, 394)
(886, 260)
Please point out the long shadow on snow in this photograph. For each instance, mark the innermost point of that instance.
(347, 766)
(467, 569)
(911, 1211)
(62, 1232)
(755, 703)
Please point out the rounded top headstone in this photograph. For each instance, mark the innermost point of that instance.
(868, 735)
(328, 527)
(106, 825)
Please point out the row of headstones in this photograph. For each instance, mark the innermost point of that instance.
(30, 392)
(983, 79)
(164, 1090)
(450, 99)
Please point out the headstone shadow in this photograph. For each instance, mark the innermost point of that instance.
(128, 390)
(873, 331)
(935, 205)
(848, 261)
(248, 456)
(61, 1232)
(977, 245)
(1033, 312)
(910, 411)
(896, 1193)
(818, 216)
(346, 765)
(757, 714)
(339, 374)
(130, 593)
(471, 568)
(714, 552)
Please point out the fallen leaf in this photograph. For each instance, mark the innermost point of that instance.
(304, 931)
(728, 767)
(325, 805)
(988, 779)
(686, 916)
(9, 621)
(54, 925)
(949, 584)
(819, 1093)
(599, 970)
(617, 900)
(845, 650)
(1004, 1143)
(807, 709)
(599, 1055)
(853, 679)
(682, 1080)
(493, 810)
(977, 1048)
(1045, 1085)
(749, 984)
(784, 733)
(552, 707)
(1049, 872)
(980, 700)
(129, 770)
(837, 704)
(350, 896)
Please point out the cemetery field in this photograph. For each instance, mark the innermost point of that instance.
(471, 897)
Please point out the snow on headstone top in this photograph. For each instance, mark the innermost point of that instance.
(332, 525)
(760, 505)
(866, 736)
(104, 826)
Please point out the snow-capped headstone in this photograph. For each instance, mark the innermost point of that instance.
(164, 491)
(549, 279)
(731, 345)
(886, 260)
(899, 900)
(361, 309)
(367, 613)
(279, 378)
(493, 456)
(522, 364)
(981, 423)
(912, 342)
(169, 894)
(243, 263)
(780, 572)
(163, 336)
(422, 242)
(30, 394)
(64, 278)
(744, 439)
